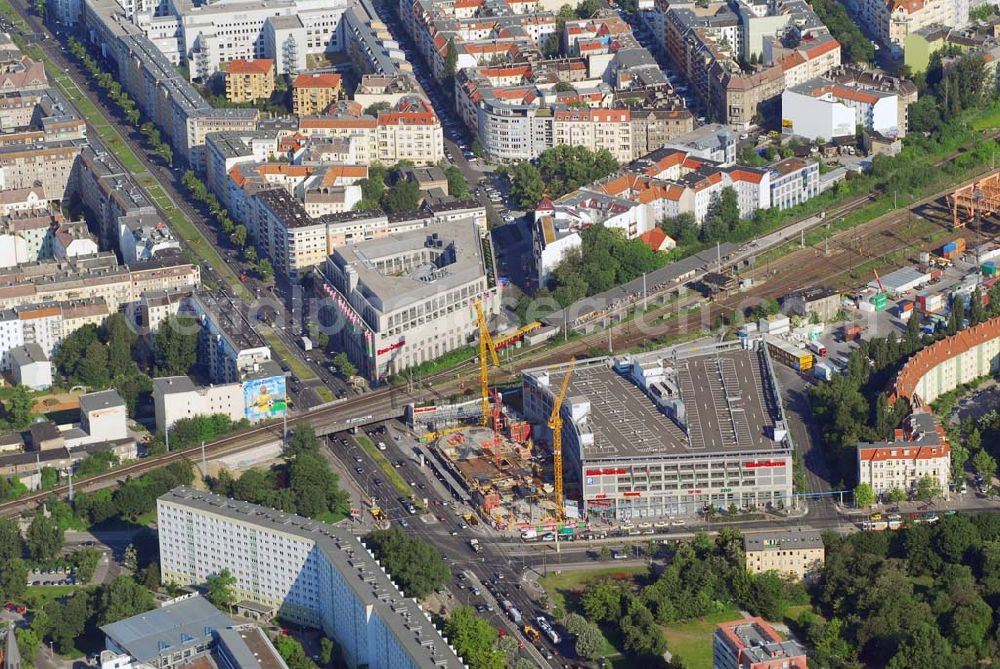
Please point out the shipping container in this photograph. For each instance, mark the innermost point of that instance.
(789, 354)
(950, 247)
(949, 255)
(959, 244)
(823, 371)
(936, 274)
(879, 301)
(989, 269)
(852, 332)
(817, 348)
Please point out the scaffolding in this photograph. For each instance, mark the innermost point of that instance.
(969, 203)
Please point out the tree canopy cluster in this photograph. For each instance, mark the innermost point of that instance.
(924, 596)
(303, 483)
(71, 623)
(855, 47)
(474, 639)
(192, 431)
(415, 565)
(558, 171)
(99, 357)
(605, 260)
(702, 576)
(948, 92)
(133, 498)
(402, 196)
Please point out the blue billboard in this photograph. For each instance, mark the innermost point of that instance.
(264, 398)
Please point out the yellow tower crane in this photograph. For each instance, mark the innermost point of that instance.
(485, 346)
(556, 424)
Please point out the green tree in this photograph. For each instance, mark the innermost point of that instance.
(120, 338)
(85, 560)
(13, 578)
(250, 254)
(985, 465)
(265, 270)
(302, 440)
(450, 60)
(19, 404)
(402, 197)
(928, 489)
(864, 496)
(68, 619)
(122, 598)
(149, 576)
(896, 495)
(376, 107)
(458, 187)
(239, 236)
(220, 590)
(473, 639)
(527, 187)
(414, 564)
(44, 538)
(11, 544)
(344, 365)
(587, 8)
(175, 346)
(590, 642)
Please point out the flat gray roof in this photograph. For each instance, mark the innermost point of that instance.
(796, 539)
(104, 399)
(455, 248)
(345, 552)
(167, 629)
(728, 409)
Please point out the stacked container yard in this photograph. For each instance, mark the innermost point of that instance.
(930, 302)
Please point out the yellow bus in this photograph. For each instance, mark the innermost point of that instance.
(789, 354)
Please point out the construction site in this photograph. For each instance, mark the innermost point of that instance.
(492, 448)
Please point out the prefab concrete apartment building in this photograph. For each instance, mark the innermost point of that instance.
(307, 572)
(670, 432)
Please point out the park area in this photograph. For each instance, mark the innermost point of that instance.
(689, 641)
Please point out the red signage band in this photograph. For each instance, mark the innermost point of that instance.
(606, 472)
(390, 349)
(765, 463)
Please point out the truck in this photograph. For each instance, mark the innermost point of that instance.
(529, 534)
(474, 543)
(515, 614)
(553, 636)
(823, 372)
(306, 343)
(817, 348)
(531, 633)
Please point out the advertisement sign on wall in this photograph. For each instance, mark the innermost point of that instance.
(264, 398)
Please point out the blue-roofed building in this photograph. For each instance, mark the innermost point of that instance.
(187, 633)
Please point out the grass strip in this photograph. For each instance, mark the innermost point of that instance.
(383, 462)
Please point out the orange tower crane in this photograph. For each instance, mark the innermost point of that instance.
(556, 424)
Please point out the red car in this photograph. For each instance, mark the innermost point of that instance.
(22, 609)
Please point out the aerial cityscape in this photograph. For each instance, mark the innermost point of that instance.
(499, 334)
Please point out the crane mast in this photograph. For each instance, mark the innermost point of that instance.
(556, 424)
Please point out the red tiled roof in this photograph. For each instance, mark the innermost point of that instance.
(317, 80)
(255, 66)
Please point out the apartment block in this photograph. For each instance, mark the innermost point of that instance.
(920, 448)
(793, 181)
(712, 43)
(821, 108)
(249, 80)
(797, 553)
(751, 643)
(307, 572)
(892, 21)
(312, 93)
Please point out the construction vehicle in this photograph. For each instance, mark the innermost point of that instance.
(556, 424)
(878, 280)
(531, 633)
(431, 436)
